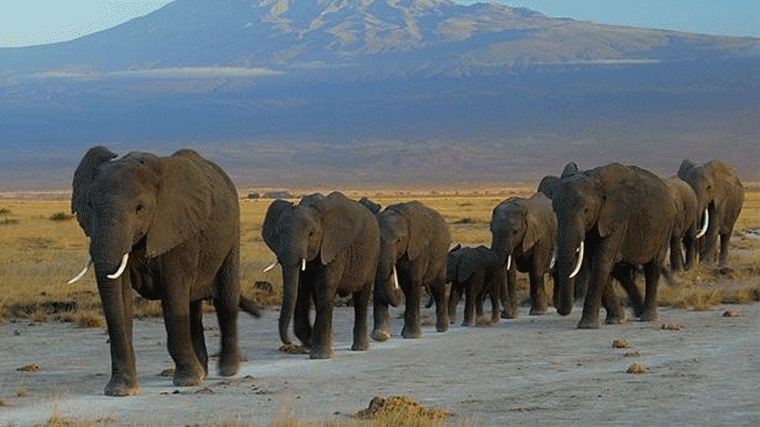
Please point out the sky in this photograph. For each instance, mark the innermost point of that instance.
(33, 22)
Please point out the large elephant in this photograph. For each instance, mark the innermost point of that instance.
(474, 272)
(168, 227)
(685, 233)
(616, 217)
(327, 246)
(414, 242)
(720, 196)
(523, 234)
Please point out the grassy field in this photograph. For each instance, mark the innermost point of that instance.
(41, 247)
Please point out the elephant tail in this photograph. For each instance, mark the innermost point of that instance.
(250, 307)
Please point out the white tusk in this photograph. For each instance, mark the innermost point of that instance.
(553, 261)
(121, 269)
(274, 264)
(81, 274)
(580, 261)
(509, 261)
(303, 264)
(395, 278)
(703, 230)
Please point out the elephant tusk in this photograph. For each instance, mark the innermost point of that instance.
(509, 261)
(81, 274)
(706, 221)
(580, 261)
(303, 264)
(274, 264)
(121, 269)
(395, 278)
(553, 261)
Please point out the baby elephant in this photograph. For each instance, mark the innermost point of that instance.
(474, 272)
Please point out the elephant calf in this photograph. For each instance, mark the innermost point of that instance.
(473, 272)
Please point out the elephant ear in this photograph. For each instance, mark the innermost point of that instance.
(276, 222)
(420, 231)
(618, 203)
(532, 231)
(469, 261)
(341, 224)
(183, 204)
(569, 170)
(84, 175)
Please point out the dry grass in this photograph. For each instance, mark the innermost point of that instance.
(39, 255)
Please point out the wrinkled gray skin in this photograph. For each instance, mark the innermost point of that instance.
(685, 227)
(625, 215)
(415, 239)
(474, 272)
(524, 229)
(721, 193)
(178, 219)
(339, 240)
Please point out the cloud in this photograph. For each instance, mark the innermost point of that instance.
(190, 73)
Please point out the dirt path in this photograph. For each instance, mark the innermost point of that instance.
(528, 371)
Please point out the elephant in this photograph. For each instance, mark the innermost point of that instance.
(685, 233)
(523, 235)
(414, 243)
(168, 227)
(326, 246)
(720, 196)
(369, 204)
(617, 218)
(473, 272)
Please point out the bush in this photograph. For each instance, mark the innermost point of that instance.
(61, 216)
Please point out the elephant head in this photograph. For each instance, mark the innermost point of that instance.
(591, 204)
(514, 229)
(314, 230)
(701, 180)
(140, 201)
(404, 232)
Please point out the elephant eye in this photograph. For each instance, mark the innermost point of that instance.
(139, 208)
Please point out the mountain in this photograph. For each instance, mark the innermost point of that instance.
(379, 92)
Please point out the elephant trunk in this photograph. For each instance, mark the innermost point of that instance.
(567, 264)
(290, 278)
(503, 248)
(387, 287)
(109, 249)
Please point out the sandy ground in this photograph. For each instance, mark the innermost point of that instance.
(527, 371)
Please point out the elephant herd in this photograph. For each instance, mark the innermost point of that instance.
(169, 228)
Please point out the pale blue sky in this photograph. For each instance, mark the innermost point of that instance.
(30, 22)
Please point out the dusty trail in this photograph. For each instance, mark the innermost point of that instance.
(528, 371)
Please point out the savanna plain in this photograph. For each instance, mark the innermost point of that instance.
(697, 365)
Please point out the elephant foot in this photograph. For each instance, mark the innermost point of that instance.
(361, 346)
(495, 318)
(442, 325)
(320, 354)
(588, 323)
(615, 319)
(509, 314)
(411, 333)
(120, 389)
(184, 377)
(649, 315)
(468, 323)
(539, 311)
(380, 335)
(229, 365)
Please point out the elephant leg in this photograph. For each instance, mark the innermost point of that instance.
(438, 291)
(227, 305)
(455, 294)
(581, 281)
(539, 304)
(626, 275)
(723, 257)
(411, 327)
(301, 322)
(116, 300)
(600, 271)
(707, 251)
(361, 303)
(510, 304)
(196, 332)
(324, 301)
(469, 305)
(652, 276)
(676, 258)
(690, 244)
(493, 291)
